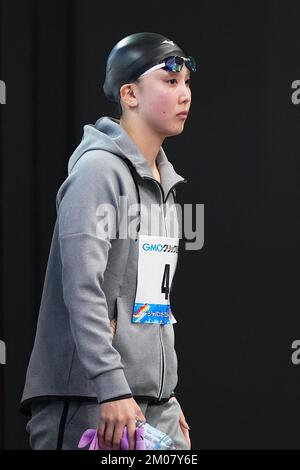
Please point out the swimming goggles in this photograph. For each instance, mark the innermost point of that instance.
(174, 64)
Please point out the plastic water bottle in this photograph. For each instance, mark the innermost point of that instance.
(154, 438)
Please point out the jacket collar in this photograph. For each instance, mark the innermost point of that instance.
(128, 149)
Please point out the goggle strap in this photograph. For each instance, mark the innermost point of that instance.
(155, 67)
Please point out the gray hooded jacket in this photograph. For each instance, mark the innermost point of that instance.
(91, 280)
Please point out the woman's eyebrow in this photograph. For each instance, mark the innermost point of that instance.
(170, 73)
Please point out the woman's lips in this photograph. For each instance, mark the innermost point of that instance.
(182, 115)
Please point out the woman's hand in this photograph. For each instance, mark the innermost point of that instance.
(114, 416)
(113, 325)
(184, 425)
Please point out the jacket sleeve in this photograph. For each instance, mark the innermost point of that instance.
(84, 251)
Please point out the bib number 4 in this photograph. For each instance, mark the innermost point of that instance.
(166, 282)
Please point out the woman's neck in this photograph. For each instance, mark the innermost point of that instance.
(147, 141)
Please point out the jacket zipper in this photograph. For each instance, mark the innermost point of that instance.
(162, 195)
(163, 364)
(160, 326)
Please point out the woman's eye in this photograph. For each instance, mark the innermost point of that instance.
(173, 80)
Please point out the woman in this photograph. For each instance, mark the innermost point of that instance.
(104, 348)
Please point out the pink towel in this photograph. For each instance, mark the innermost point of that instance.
(90, 437)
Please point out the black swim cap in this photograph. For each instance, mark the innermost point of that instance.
(132, 56)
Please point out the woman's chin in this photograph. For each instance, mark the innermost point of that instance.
(176, 130)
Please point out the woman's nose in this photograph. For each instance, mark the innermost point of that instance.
(185, 94)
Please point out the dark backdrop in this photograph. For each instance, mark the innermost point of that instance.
(236, 300)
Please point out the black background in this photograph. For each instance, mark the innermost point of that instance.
(236, 300)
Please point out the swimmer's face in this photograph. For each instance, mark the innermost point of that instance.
(161, 95)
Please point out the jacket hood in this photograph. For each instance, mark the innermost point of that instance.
(107, 134)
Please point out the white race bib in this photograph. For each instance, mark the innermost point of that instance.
(157, 261)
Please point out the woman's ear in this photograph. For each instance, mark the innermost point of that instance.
(128, 95)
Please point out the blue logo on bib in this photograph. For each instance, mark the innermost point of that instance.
(153, 247)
